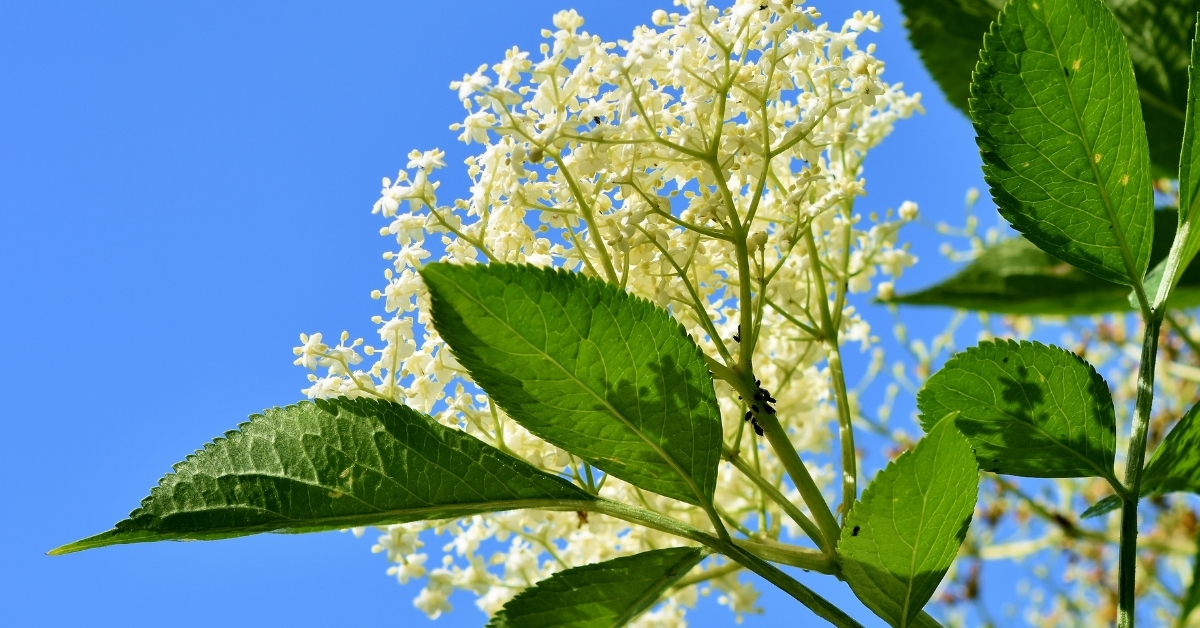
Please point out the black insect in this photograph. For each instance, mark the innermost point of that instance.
(762, 7)
(854, 532)
(757, 428)
(738, 336)
(596, 119)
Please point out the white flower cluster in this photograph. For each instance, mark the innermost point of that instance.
(712, 156)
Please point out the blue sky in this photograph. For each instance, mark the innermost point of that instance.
(185, 188)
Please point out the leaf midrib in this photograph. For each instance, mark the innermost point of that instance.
(613, 411)
(343, 520)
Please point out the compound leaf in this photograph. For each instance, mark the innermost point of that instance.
(1059, 126)
(1028, 409)
(327, 465)
(600, 595)
(588, 367)
(903, 534)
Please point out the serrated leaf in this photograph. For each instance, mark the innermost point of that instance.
(600, 595)
(1174, 466)
(1013, 276)
(1028, 409)
(1059, 126)
(903, 534)
(948, 34)
(588, 367)
(328, 465)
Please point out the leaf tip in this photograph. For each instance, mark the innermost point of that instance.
(91, 542)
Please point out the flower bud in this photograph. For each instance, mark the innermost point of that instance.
(757, 240)
(887, 291)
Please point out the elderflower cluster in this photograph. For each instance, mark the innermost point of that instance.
(716, 148)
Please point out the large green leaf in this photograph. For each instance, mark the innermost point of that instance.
(600, 595)
(586, 366)
(1013, 276)
(1028, 409)
(1059, 126)
(334, 464)
(904, 533)
(948, 34)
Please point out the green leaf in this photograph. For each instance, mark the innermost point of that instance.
(948, 34)
(904, 533)
(1174, 466)
(328, 465)
(1104, 506)
(1028, 409)
(1059, 126)
(1192, 598)
(1013, 276)
(1159, 34)
(1189, 190)
(588, 367)
(599, 595)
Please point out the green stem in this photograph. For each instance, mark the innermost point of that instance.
(1134, 460)
(838, 377)
(817, 604)
(784, 503)
(800, 477)
(705, 576)
(804, 558)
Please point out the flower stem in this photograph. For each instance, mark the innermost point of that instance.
(784, 503)
(817, 604)
(1134, 460)
(838, 378)
(801, 478)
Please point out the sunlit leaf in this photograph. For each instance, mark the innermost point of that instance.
(1056, 112)
(586, 366)
(328, 465)
(902, 535)
(1028, 409)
